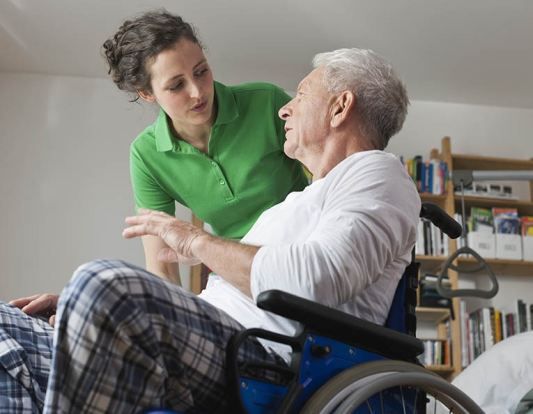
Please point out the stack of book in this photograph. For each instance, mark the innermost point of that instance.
(430, 176)
(484, 327)
(499, 233)
(429, 296)
(436, 352)
(431, 241)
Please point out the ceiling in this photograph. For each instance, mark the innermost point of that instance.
(475, 51)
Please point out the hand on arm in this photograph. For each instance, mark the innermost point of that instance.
(43, 304)
(190, 245)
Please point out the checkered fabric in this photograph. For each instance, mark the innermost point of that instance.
(127, 340)
(25, 357)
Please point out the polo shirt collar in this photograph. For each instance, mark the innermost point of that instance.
(163, 137)
(227, 112)
(227, 107)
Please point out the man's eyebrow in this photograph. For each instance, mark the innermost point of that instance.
(301, 84)
(173, 78)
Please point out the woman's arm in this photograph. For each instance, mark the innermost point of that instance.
(152, 246)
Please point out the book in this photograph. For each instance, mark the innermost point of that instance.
(419, 247)
(476, 328)
(506, 220)
(482, 220)
(515, 317)
(489, 327)
(522, 318)
(463, 321)
(498, 336)
(527, 226)
(417, 172)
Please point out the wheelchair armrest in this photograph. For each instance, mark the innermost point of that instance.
(341, 326)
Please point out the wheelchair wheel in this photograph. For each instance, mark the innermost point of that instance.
(391, 387)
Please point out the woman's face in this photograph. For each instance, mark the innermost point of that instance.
(182, 84)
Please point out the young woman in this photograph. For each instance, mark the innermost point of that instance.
(215, 149)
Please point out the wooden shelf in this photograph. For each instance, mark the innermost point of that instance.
(430, 263)
(440, 369)
(435, 315)
(475, 162)
(499, 266)
(438, 199)
(525, 208)
(451, 203)
(502, 267)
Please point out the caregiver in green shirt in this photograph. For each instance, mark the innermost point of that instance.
(215, 149)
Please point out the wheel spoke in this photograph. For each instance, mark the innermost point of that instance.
(362, 385)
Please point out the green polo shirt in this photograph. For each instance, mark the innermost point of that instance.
(245, 173)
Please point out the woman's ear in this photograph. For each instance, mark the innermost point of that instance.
(342, 107)
(146, 96)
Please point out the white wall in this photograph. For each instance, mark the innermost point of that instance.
(64, 174)
(64, 178)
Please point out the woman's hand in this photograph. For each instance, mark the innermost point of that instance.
(43, 304)
(179, 235)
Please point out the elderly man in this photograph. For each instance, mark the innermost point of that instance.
(126, 339)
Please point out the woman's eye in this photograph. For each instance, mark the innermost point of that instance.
(201, 72)
(176, 87)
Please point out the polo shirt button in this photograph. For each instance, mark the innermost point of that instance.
(214, 163)
(222, 182)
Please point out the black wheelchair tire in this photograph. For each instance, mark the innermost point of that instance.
(330, 396)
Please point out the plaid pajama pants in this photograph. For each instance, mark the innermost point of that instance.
(25, 356)
(126, 340)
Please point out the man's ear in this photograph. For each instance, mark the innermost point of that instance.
(342, 107)
(146, 96)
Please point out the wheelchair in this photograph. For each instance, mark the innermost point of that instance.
(342, 364)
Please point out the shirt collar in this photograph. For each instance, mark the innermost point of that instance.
(227, 112)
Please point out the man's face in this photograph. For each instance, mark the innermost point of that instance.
(307, 119)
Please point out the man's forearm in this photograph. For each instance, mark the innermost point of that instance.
(228, 259)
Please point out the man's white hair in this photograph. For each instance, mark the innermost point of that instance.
(381, 97)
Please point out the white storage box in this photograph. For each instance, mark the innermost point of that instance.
(509, 246)
(482, 243)
(527, 246)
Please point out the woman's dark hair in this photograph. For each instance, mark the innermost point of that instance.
(140, 40)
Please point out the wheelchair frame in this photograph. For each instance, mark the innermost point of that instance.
(333, 350)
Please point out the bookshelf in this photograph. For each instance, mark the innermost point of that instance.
(452, 203)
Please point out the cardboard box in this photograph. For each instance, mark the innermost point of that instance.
(527, 248)
(482, 243)
(508, 246)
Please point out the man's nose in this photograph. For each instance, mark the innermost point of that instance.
(284, 111)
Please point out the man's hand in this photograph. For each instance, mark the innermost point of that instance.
(179, 235)
(43, 304)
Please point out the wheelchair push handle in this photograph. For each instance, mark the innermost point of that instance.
(441, 219)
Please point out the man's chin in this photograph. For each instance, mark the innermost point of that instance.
(289, 152)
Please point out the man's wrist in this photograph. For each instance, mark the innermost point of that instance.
(201, 245)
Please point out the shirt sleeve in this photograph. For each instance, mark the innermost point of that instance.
(147, 192)
(368, 220)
